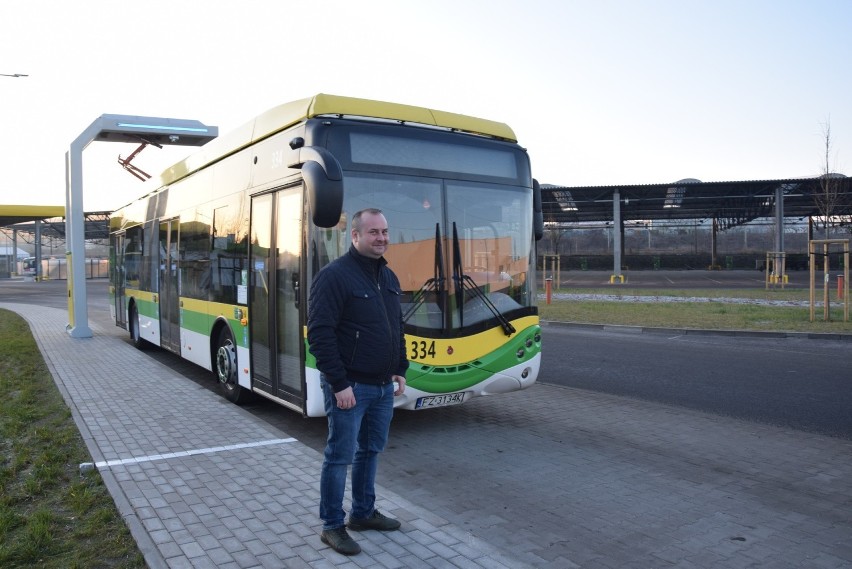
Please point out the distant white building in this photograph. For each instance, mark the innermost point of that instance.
(8, 262)
(8, 251)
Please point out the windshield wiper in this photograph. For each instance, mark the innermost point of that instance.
(464, 282)
(434, 284)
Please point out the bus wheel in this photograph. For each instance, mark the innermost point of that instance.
(135, 334)
(226, 368)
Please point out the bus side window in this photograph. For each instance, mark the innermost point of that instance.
(133, 257)
(230, 248)
(195, 255)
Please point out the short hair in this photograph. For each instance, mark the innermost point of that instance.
(356, 219)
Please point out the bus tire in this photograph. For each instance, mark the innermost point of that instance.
(226, 370)
(135, 332)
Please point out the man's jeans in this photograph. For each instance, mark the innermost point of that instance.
(355, 436)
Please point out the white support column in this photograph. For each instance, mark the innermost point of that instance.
(14, 269)
(616, 236)
(779, 233)
(75, 234)
(37, 252)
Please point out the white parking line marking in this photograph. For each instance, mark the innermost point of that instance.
(209, 450)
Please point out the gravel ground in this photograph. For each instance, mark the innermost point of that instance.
(640, 298)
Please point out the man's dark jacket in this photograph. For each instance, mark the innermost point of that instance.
(355, 328)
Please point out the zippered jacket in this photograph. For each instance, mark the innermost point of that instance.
(355, 328)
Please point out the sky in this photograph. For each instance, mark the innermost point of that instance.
(600, 92)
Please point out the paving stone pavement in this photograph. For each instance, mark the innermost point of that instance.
(202, 483)
(624, 483)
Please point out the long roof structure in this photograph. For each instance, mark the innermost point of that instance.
(729, 203)
(23, 218)
(11, 214)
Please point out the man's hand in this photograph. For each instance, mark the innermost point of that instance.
(400, 382)
(345, 398)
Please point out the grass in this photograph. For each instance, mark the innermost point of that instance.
(51, 516)
(717, 315)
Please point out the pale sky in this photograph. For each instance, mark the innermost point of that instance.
(600, 92)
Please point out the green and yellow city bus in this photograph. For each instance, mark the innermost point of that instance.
(215, 262)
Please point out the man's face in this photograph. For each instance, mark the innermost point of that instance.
(372, 240)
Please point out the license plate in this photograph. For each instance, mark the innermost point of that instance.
(440, 400)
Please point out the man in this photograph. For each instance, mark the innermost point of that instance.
(355, 332)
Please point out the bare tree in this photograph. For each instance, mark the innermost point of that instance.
(828, 197)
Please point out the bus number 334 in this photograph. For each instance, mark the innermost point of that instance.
(422, 349)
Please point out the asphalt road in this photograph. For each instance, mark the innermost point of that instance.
(799, 383)
(54, 293)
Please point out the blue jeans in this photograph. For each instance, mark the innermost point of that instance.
(355, 436)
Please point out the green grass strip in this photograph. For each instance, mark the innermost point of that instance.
(51, 516)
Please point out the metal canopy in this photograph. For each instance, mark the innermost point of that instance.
(730, 203)
(96, 225)
(12, 214)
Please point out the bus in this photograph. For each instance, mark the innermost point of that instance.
(215, 261)
(28, 266)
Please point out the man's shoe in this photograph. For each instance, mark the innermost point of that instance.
(340, 541)
(377, 521)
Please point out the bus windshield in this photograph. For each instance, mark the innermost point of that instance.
(462, 250)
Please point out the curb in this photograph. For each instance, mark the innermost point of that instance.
(699, 332)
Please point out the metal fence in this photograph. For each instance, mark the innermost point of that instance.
(56, 268)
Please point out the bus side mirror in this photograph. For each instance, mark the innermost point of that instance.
(538, 213)
(323, 183)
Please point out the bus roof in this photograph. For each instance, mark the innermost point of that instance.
(288, 114)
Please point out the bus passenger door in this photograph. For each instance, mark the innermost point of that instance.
(169, 293)
(274, 320)
(288, 239)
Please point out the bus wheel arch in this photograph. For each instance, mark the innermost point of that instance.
(226, 364)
